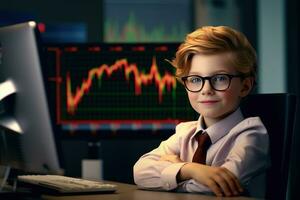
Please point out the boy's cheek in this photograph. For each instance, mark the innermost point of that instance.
(193, 96)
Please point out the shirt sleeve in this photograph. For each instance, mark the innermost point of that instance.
(248, 156)
(152, 173)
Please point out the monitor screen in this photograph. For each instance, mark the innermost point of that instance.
(112, 90)
(27, 141)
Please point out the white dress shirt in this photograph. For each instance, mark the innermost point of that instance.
(240, 145)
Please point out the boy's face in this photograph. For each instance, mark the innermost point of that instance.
(211, 104)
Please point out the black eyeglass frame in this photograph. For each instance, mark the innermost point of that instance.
(230, 76)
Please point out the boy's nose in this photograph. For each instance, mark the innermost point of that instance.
(207, 89)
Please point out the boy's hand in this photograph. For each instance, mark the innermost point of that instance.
(171, 158)
(218, 179)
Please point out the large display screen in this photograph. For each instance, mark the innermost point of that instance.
(106, 88)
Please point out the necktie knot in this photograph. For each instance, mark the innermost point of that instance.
(204, 142)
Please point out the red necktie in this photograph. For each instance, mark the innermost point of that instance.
(203, 144)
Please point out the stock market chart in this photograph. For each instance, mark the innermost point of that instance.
(115, 86)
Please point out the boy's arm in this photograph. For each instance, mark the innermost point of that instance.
(153, 172)
(247, 158)
(249, 154)
(219, 180)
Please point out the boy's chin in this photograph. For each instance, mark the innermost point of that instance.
(216, 115)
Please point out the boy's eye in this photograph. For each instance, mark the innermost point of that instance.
(194, 79)
(219, 78)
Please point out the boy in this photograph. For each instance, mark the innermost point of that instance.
(217, 67)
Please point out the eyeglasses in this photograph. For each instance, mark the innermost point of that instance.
(219, 82)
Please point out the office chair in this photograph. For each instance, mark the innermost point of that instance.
(277, 111)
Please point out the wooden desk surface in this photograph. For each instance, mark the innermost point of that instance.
(131, 192)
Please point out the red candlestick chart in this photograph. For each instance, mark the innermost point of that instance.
(167, 81)
(115, 84)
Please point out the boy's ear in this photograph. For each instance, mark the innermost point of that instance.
(247, 85)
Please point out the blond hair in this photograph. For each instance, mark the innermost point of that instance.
(215, 40)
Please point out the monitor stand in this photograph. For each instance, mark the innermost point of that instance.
(92, 166)
(8, 191)
(4, 167)
(4, 173)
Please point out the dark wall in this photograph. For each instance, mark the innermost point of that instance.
(89, 12)
(118, 156)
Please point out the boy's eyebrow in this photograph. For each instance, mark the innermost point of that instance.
(212, 73)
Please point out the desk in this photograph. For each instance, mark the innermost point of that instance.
(130, 192)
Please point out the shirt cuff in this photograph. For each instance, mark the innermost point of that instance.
(168, 175)
(193, 186)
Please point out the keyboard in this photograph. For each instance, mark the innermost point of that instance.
(65, 184)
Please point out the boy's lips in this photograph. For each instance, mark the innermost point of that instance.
(209, 101)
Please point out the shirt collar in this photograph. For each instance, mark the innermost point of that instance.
(221, 128)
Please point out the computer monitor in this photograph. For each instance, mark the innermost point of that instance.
(27, 141)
